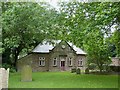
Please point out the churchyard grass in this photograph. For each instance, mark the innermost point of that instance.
(64, 80)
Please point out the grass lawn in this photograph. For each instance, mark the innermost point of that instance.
(64, 80)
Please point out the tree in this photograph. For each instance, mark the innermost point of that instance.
(89, 24)
(116, 41)
(24, 26)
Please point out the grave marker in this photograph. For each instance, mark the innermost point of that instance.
(4, 77)
(26, 73)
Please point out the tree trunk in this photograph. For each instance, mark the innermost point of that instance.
(99, 66)
(16, 53)
(6, 56)
(15, 60)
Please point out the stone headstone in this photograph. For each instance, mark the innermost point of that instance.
(4, 77)
(87, 71)
(26, 73)
(78, 71)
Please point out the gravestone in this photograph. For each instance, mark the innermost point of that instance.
(87, 71)
(73, 70)
(4, 77)
(26, 73)
(78, 71)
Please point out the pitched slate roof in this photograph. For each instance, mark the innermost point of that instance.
(45, 47)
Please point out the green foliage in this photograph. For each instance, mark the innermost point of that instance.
(0, 65)
(115, 68)
(73, 70)
(78, 71)
(24, 26)
(92, 66)
(87, 25)
(6, 66)
(116, 41)
(12, 70)
(87, 71)
(107, 68)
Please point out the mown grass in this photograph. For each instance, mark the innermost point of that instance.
(64, 80)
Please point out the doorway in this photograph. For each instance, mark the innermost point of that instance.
(63, 65)
(62, 62)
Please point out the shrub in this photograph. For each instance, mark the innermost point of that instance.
(92, 66)
(106, 68)
(5, 65)
(115, 68)
(87, 71)
(0, 65)
(73, 70)
(12, 69)
(78, 71)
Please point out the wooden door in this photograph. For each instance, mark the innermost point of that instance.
(63, 65)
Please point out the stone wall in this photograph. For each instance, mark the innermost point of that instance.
(33, 61)
(115, 61)
(57, 52)
(4, 76)
(84, 62)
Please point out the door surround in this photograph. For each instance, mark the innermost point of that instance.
(62, 62)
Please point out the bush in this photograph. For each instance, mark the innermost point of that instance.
(73, 70)
(0, 65)
(115, 68)
(87, 71)
(106, 68)
(12, 69)
(78, 71)
(5, 65)
(92, 66)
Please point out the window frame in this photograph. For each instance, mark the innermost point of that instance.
(70, 61)
(42, 61)
(80, 62)
(55, 59)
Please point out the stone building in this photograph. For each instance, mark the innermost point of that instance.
(60, 56)
(115, 61)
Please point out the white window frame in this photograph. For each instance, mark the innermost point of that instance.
(42, 60)
(80, 62)
(70, 60)
(55, 59)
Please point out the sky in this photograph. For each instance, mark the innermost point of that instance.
(54, 3)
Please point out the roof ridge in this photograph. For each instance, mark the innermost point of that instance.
(46, 47)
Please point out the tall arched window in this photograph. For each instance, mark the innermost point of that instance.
(70, 61)
(80, 62)
(54, 61)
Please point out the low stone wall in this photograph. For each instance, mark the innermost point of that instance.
(4, 76)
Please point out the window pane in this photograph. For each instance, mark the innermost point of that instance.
(54, 61)
(40, 63)
(43, 63)
(70, 62)
(80, 63)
